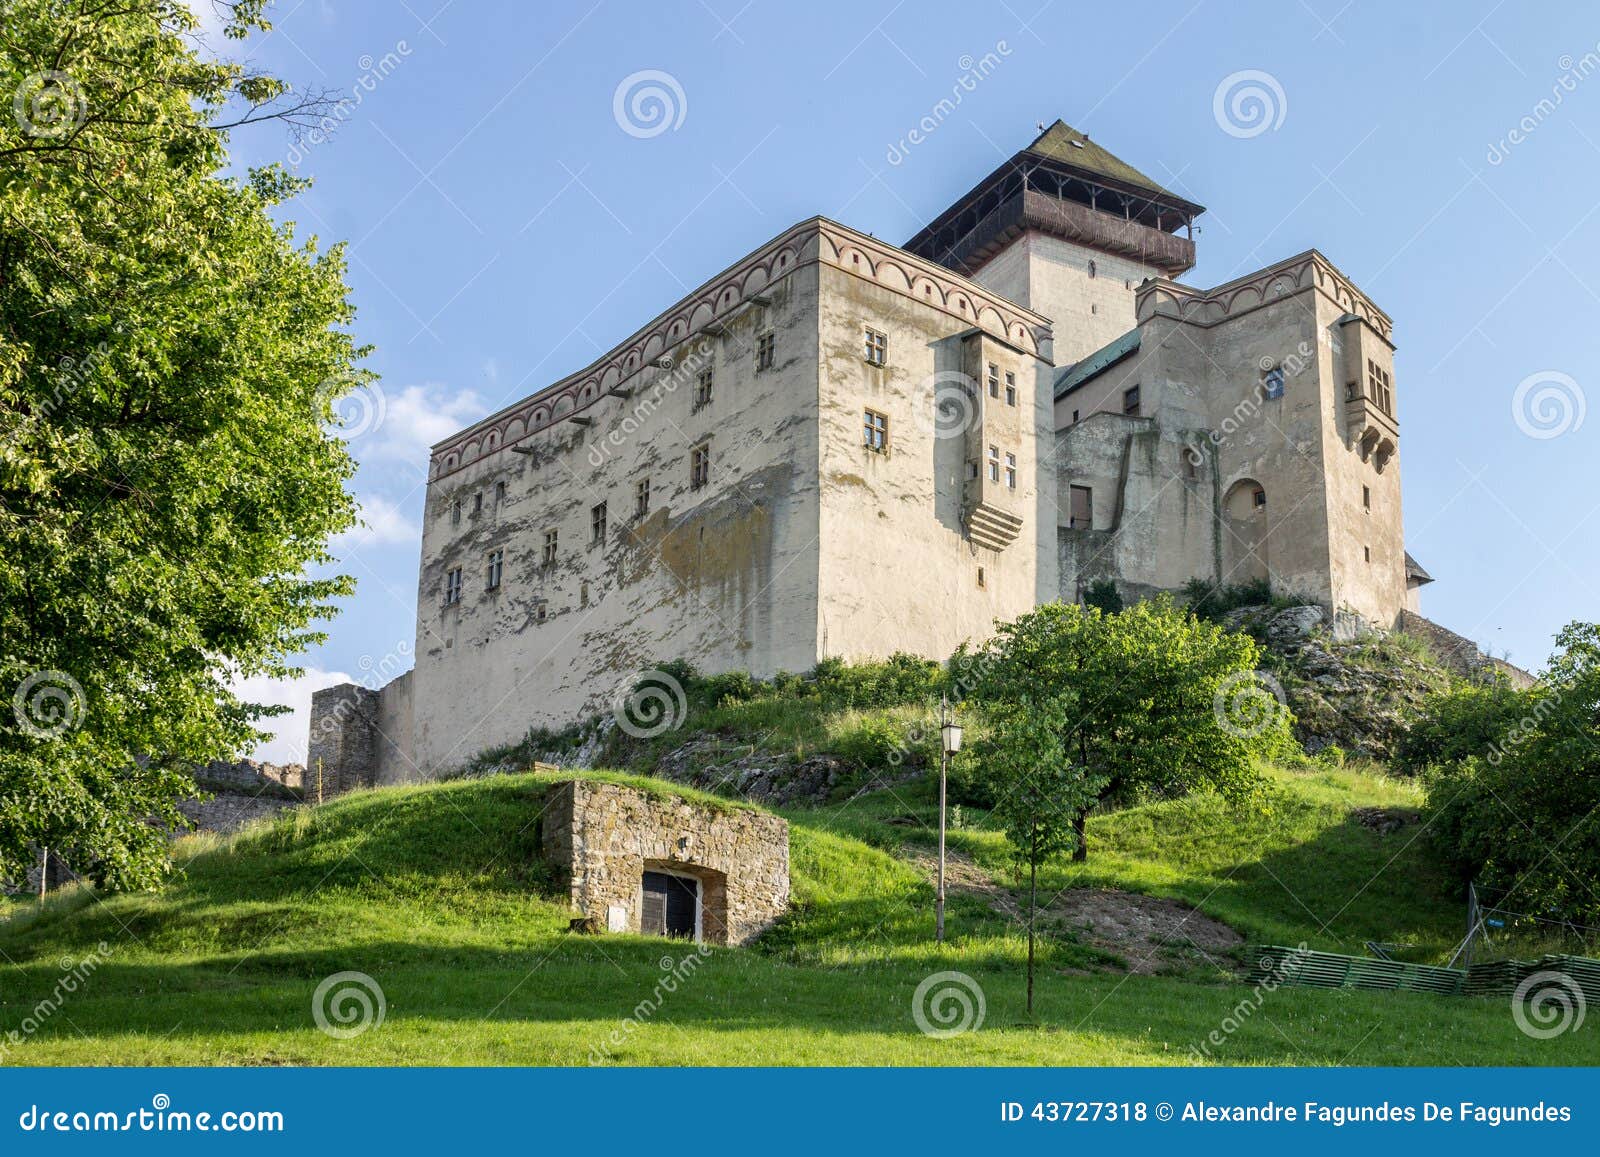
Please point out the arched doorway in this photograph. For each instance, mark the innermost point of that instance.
(1244, 532)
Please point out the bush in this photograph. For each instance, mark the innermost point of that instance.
(899, 680)
(1520, 814)
(880, 744)
(1455, 725)
(1103, 593)
(1211, 601)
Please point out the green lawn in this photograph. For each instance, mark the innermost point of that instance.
(437, 893)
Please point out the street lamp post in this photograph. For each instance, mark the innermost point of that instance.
(949, 744)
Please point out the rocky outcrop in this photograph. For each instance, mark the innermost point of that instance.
(1348, 688)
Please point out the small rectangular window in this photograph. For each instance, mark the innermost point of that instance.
(1011, 471)
(477, 502)
(994, 380)
(455, 513)
(641, 497)
(1081, 514)
(452, 587)
(541, 613)
(597, 523)
(699, 467)
(702, 389)
(1259, 497)
(1366, 497)
(1011, 389)
(1130, 401)
(1367, 551)
(1074, 417)
(499, 492)
(877, 351)
(765, 348)
(496, 560)
(994, 463)
(875, 431)
(981, 581)
(550, 548)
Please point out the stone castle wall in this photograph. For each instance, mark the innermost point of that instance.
(602, 838)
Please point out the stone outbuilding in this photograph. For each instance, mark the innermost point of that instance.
(635, 862)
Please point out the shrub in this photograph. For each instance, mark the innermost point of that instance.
(1209, 600)
(1457, 724)
(1103, 593)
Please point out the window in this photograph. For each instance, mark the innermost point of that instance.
(699, 467)
(1130, 401)
(1093, 270)
(1074, 417)
(1258, 498)
(875, 431)
(549, 557)
(452, 587)
(597, 523)
(455, 513)
(1352, 391)
(477, 503)
(583, 593)
(496, 561)
(499, 492)
(702, 389)
(641, 498)
(765, 348)
(1011, 471)
(1274, 382)
(541, 613)
(1366, 497)
(994, 380)
(877, 348)
(994, 463)
(1011, 389)
(982, 584)
(1080, 515)
(1367, 552)
(1379, 388)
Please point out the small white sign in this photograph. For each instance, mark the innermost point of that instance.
(617, 918)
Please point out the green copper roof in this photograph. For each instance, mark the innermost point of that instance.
(1061, 142)
(1096, 363)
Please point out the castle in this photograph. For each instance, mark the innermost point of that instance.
(840, 447)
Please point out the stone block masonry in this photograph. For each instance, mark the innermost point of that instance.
(602, 838)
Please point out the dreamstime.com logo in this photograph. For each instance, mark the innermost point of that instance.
(49, 105)
(946, 404)
(357, 407)
(1248, 704)
(1248, 103)
(48, 704)
(649, 102)
(1547, 1004)
(1548, 404)
(655, 703)
(948, 1004)
(347, 1004)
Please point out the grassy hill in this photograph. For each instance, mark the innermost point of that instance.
(438, 893)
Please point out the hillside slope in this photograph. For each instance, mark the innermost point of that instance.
(437, 893)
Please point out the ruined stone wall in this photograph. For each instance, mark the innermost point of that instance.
(344, 747)
(602, 837)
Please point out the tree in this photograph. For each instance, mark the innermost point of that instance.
(169, 362)
(1150, 700)
(1521, 814)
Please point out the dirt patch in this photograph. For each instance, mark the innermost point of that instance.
(963, 877)
(1383, 820)
(1151, 934)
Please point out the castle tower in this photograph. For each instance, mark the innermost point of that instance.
(1069, 231)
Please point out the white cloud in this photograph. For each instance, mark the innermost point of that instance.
(385, 524)
(414, 419)
(289, 731)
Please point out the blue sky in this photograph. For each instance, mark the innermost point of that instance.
(505, 226)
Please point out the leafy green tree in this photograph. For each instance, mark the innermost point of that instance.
(170, 357)
(1465, 720)
(1521, 816)
(1150, 700)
